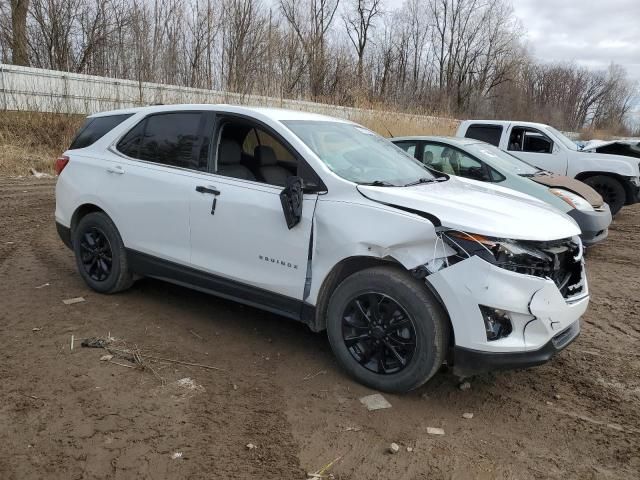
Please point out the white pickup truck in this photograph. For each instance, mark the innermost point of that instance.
(615, 177)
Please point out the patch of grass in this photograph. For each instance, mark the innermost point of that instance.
(34, 140)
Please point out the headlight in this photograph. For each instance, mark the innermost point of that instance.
(541, 259)
(576, 201)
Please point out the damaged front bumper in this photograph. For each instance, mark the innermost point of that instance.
(542, 321)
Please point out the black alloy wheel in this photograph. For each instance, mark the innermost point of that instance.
(378, 333)
(96, 255)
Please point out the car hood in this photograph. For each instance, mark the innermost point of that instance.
(571, 184)
(478, 208)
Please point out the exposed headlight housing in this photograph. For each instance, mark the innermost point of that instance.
(559, 260)
(576, 201)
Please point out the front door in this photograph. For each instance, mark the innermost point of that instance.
(238, 229)
(536, 148)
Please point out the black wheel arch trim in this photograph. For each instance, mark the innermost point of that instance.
(631, 191)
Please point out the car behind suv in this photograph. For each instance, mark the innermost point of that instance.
(323, 221)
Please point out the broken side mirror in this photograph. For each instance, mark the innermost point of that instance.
(291, 199)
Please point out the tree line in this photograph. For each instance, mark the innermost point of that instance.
(464, 58)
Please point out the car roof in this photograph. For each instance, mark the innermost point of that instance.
(504, 123)
(278, 114)
(458, 141)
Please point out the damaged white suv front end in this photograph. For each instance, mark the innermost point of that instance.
(525, 298)
(508, 269)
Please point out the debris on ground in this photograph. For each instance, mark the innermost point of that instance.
(352, 429)
(250, 446)
(36, 329)
(106, 358)
(72, 342)
(176, 455)
(464, 386)
(435, 431)
(71, 301)
(409, 449)
(38, 174)
(557, 396)
(321, 472)
(95, 342)
(468, 415)
(394, 448)
(235, 387)
(189, 384)
(313, 375)
(43, 285)
(375, 402)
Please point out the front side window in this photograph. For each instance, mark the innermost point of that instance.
(529, 140)
(174, 139)
(501, 159)
(453, 161)
(249, 152)
(409, 147)
(357, 154)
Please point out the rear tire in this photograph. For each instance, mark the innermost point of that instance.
(406, 329)
(100, 254)
(612, 191)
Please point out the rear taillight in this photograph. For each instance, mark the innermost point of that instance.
(61, 162)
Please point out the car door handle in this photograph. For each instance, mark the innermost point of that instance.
(118, 170)
(211, 190)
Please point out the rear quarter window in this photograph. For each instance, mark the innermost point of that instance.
(95, 128)
(486, 133)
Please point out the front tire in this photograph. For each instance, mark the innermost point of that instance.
(386, 329)
(100, 255)
(612, 191)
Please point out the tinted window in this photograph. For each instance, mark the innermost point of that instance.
(95, 128)
(170, 139)
(487, 133)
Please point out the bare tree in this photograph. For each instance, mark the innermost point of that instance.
(358, 22)
(19, 45)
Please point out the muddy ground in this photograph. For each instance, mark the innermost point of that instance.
(69, 415)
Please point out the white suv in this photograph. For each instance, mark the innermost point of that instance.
(325, 222)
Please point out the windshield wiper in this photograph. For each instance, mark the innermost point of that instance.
(377, 183)
(424, 180)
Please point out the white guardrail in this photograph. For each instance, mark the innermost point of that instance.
(40, 90)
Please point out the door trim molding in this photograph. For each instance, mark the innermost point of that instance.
(151, 266)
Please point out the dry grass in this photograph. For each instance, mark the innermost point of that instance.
(591, 134)
(34, 140)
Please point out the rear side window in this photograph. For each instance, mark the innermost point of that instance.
(175, 139)
(95, 128)
(486, 133)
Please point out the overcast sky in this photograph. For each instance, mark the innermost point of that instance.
(592, 33)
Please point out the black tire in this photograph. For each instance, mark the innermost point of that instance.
(428, 324)
(93, 255)
(612, 191)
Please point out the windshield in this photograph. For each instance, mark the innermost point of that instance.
(566, 141)
(501, 159)
(359, 155)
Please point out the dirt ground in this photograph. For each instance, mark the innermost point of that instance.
(69, 415)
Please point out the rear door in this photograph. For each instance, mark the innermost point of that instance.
(238, 229)
(148, 179)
